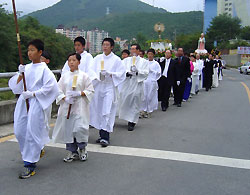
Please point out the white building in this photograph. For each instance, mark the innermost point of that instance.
(71, 33)
(235, 8)
(122, 43)
(93, 38)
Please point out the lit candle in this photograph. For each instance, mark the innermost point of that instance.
(102, 65)
(74, 81)
(134, 59)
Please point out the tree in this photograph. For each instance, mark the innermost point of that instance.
(8, 46)
(223, 28)
(142, 41)
(245, 33)
(189, 43)
(58, 45)
(117, 50)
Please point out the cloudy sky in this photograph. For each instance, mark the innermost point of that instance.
(28, 6)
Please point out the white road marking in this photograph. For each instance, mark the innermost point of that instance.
(165, 155)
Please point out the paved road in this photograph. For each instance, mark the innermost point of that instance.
(201, 148)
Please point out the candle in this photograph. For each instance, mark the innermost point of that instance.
(74, 81)
(134, 59)
(102, 65)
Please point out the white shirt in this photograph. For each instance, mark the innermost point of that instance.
(165, 72)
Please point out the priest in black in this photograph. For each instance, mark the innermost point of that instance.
(208, 72)
(167, 80)
(183, 72)
(219, 65)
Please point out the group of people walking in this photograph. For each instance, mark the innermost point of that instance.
(92, 92)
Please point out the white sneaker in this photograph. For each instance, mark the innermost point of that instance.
(83, 154)
(141, 114)
(70, 157)
(104, 143)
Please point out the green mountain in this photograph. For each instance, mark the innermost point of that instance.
(67, 11)
(129, 25)
(126, 18)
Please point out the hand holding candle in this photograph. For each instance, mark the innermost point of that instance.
(74, 83)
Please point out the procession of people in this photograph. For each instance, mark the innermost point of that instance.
(94, 92)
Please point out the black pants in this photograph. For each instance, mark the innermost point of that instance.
(208, 81)
(104, 135)
(179, 92)
(164, 94)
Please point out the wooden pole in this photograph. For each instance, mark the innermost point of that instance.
(20, 50)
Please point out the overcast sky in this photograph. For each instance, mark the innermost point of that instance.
(28, 6)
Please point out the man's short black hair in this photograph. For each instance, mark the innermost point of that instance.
(37, 43)
(46, 55)
(138, 47)
(193, 56)
(151, 50)
(143, 52)
(110, 40)
(126, 51)
(78, 56)
(81, 40)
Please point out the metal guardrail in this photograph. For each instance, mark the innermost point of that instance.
(11, 74)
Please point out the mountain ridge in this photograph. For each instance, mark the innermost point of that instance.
(126, 18)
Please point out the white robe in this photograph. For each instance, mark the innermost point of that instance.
(215, 78)
(150, 100)
(77, 126)
(103, 106)
(31, 129)
(132, 90)
(195, 78)
(201, 66)
(85, 65)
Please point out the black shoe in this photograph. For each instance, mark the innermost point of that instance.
(178, 105)
(131, 126)
(164, 109)
(27, 173)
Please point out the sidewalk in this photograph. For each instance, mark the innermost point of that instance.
(8, 129)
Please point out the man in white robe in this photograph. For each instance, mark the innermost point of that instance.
(111, 73)
(195, 76)
(132, 91)
(86, 59)
(150, 101)
(31, 128)
(74, 130)
(200, 64)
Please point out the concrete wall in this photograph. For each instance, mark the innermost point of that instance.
(7, 111)
(232, 60)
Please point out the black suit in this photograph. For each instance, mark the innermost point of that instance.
(182, 73)
(165, 83)
(219, 65)
(208, 73)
